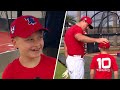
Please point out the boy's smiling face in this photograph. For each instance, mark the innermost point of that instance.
(31, 46)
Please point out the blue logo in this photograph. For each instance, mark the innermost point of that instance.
(30, 20)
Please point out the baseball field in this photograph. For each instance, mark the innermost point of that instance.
(6, 46)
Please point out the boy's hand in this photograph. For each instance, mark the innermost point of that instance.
(65, 74)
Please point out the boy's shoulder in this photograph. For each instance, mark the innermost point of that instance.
(15, 61)
(45, 56)
(13, 64)
(103, 55)
(48, 58)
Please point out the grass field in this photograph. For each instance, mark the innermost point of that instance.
(61, 68)
(1, 75)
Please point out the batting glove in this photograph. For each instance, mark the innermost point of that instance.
(65, 74)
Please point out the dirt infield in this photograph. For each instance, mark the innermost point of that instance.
(5, 42)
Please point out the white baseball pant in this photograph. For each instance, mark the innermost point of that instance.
(75, 66)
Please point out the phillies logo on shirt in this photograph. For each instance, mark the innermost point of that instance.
(30, 20)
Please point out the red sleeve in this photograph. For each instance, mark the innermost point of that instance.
(92, 65)
(77, 30)
(114, 64)
(7, 73)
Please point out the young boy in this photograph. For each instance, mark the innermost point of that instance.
(103, 64)
(27, 36)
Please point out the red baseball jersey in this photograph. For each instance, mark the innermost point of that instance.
(74, 47)
(44, 70)
(103, 65)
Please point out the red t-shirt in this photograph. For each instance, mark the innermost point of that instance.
(74, 47)
(44, 70)
(103, 65)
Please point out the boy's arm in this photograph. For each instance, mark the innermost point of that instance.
(114, 67)
(92, 71)
(115, 74)
(92, 68)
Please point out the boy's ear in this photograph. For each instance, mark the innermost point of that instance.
(14, 42)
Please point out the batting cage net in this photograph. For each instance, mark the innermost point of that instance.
(106, 24)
